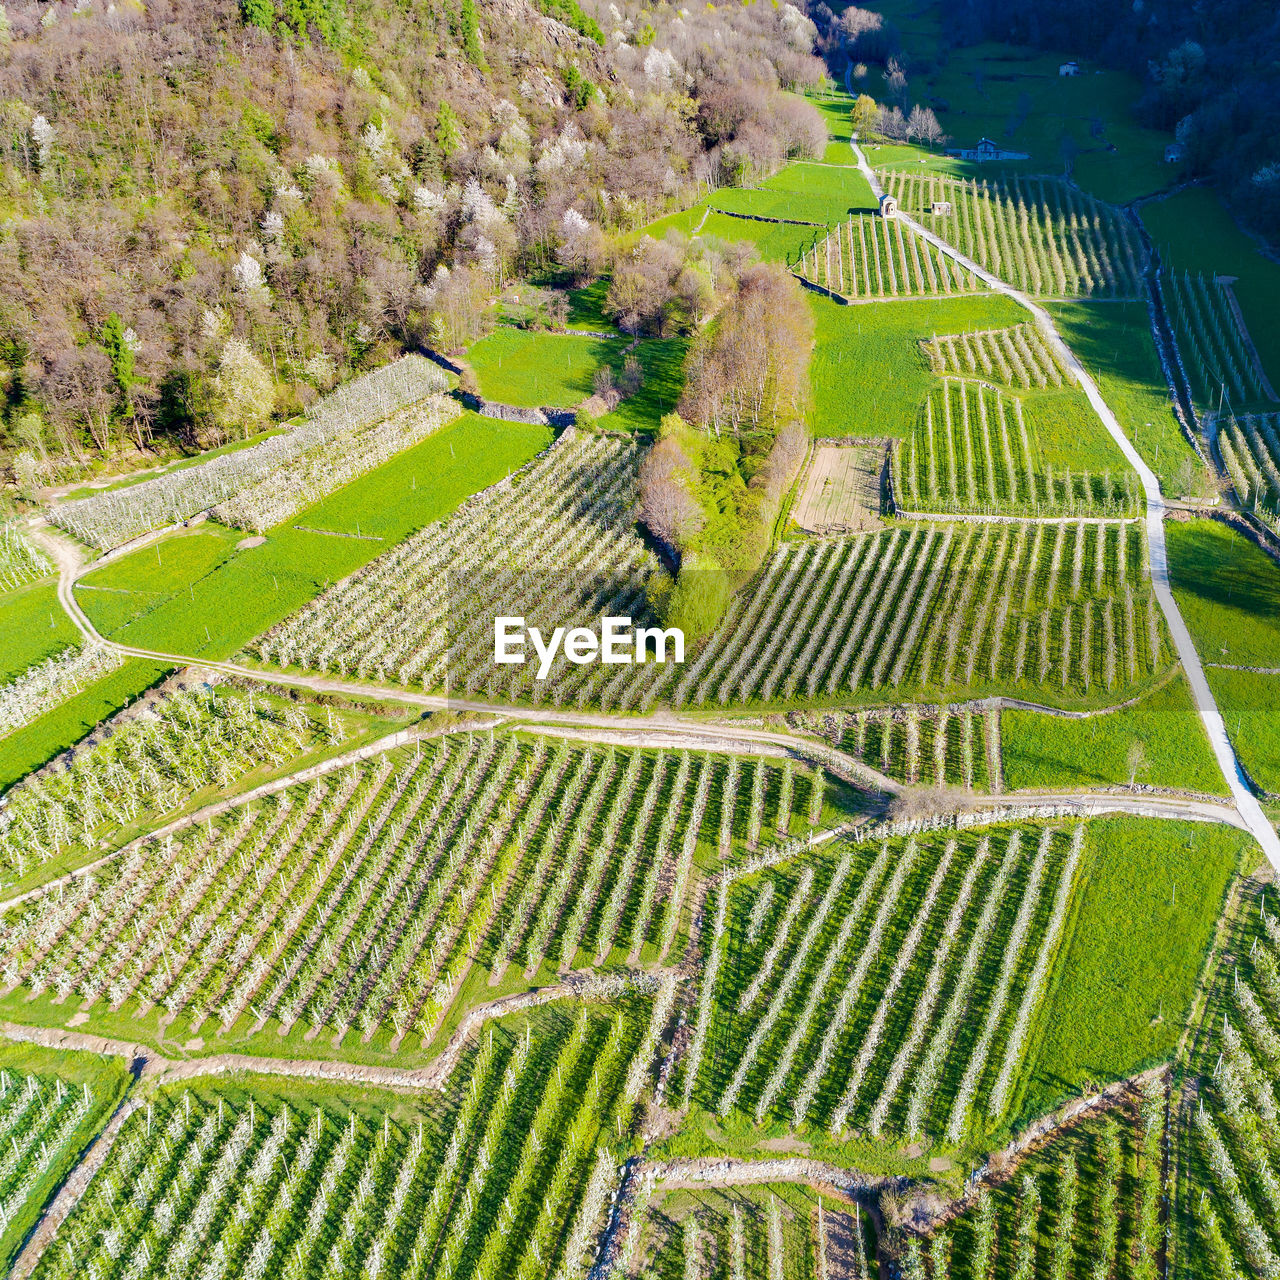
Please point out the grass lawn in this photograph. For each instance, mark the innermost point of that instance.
(1228, 591)
(798, 206)
(586, 307)
(845, 187)
(212, 614)
(1113, 340)
(1048, 751)
(1124, 978)
(1248, 703)
(32, 626)
(774, 241)
(1195, 232)
(107, 1079)
(64, 725)
(663, 364)
(530, 369)
(868, 373)
(1070, 434)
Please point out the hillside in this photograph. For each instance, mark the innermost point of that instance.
(211, 212)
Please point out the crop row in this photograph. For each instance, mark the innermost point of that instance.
(556, 544)
(1215, 356)
(1250, 449)
(750, 1234)
(940, 745)
(39, 1116)
(150, 765)
(60, 676)
(19, 561)
(363, 898)
(1089, 1207)
(287, 488)
(1041, 235)
(1017, 356)
(973, 450)
(107, 519)
(1234, 1119)
(896, 990)
(874, 257)
(511, 1182)
(934, 608)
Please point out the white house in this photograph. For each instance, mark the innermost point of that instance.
(1175, 153)
(1069, 69)
(888, 206)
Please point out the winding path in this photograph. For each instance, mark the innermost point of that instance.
(1210, 716)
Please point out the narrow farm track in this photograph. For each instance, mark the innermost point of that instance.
(1246, 802)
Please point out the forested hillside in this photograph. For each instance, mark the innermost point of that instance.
(213, 211)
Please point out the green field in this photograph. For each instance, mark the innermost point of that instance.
(1043, 751)
(846, 188)
(1113, 341)
(1228, 591)
(1248, 703)
(1195, 232)
(533, 370)
(33, 626)
(65, 724)
(868, 373)
(107, 1078)
(662, 360)
(1071, 434)
(216, 599)
(1123, 983)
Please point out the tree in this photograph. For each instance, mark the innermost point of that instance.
(258, 13)
(243, 393)
(864, 115)
(448, 130)
(82, 385)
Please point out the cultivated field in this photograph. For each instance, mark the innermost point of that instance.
(749, 1233)
(151, 765)
(889, 989)
(557, 544)
(1090, 1204)
(1221, 368)
(509, 1178)
(1231, 1153)
(20, 562)
(1017, 356)
(351, 431)
(974, 449)
(360, 901)
(873, 257)
(1044, 236)
(1065, 607)
(841, 492)
(1250, 449)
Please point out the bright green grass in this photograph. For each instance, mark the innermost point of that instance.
(1123, 981)
(1070, 434)
(903, 155)
(1196, 233)
(63, 726)
(774, 241)
(214, 614)
(107, 1078)
(1248, 703)
(868, 373)
(1228, 591)
(32, 627)
(521, 367)
(796, 206)
(586, 307)
(663, 364)
(846, 187)
(682, 220)
(1113, 341)
(1042, 751)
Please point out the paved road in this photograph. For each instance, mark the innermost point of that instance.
(1211, 717)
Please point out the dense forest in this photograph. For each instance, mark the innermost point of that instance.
(214, 210)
